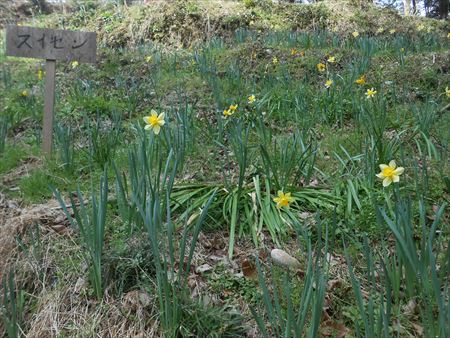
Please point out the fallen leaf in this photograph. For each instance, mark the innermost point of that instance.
(248, 268)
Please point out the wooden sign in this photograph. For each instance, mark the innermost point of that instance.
(52, 45)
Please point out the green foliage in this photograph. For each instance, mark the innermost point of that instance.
(281, 318)
(231, 286)
(13, 302)
(127, 261)
(35, 186)
(288, 161)
(250, 3)
(64, 139)
(3, 133)
(104, 138)
(176, 313)
(31, 245)
(412, 268)
(202, 319)
(11, 157)
(250, 210)
(91, 224)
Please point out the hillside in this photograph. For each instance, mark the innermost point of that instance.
(209, 133)
(181, 23)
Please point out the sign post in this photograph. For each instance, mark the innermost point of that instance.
(51, 45)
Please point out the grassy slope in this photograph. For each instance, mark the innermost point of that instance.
(352, 134)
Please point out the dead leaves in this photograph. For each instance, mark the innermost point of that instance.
(418, 329)
(410, 308)
(329, 328)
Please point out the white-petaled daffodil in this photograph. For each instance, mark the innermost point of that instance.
(390, 173)
(154, 121)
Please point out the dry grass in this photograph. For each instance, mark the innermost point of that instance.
(66, 310)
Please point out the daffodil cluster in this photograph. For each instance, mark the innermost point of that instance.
(230, 111)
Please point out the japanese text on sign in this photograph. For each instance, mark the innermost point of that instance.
(51, 44)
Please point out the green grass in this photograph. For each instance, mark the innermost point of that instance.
(11, 158)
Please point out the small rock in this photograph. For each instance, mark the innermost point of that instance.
(282, 258)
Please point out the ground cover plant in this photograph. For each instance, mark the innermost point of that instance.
(187, 153)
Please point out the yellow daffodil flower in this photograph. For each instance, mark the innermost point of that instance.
(251, 99)
(380, 30)
(233, 107)
(24, 93)
(328, 83)
(331, 59)
(370, 93)
(227, 112)
(448, 35)
(293, 51)
(321, 67)
(40, 74)
(154, 121)
(361, 80)
(421, 27)
(74, 64)
(275, 60)
(390, 173)
(283, 199)
(355, 34)
(392, 31)
(301, 53)
(447, 91)
(149, 58)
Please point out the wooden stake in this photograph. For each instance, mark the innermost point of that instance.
(49, 102)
